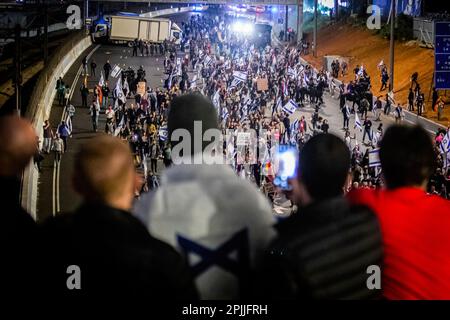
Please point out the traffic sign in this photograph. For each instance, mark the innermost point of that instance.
(442, 55)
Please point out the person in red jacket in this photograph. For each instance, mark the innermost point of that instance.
(415, 226)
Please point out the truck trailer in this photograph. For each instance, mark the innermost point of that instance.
(125, 29)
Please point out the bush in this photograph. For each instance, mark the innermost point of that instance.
(403, 30)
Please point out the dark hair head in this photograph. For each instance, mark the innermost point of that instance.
(324, 165)
(186, 109)
(407, 156)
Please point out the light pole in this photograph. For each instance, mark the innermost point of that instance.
(286, 24)
(299, 20)
(392, 47)
(315, 29)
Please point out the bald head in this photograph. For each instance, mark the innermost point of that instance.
(18, 144)
(104, 172)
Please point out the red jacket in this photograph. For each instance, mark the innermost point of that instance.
(416, 241)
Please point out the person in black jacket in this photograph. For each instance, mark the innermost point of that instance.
(111, 249)
(17, 228)
(323, 251)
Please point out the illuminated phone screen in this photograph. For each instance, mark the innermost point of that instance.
(286, 166)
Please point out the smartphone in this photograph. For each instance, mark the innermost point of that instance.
(286, 160)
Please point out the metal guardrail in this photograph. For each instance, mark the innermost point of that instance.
(423, 30)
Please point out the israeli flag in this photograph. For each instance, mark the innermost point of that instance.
(126, 87)
(169, 83)
(118, 91)
(69, 124)
(375, 138)
(294, 125)
(357, 122)
(374, 158)
(278, 106)
(101, 82)
(361, 71)
(208, 61)
(347, 111)
(216, 99)
(290, 107)
(116, 71)
(193, 82)
(225, 113)
(285, 88)
(120, 126)
(291, 72)
(446, 163)
(163, 133)
(234, 84)
(445, 144)
(242, 76)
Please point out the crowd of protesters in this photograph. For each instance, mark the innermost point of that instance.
(350, 216)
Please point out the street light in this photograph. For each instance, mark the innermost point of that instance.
(392, 47)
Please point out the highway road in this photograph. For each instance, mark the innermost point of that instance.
(55, 191)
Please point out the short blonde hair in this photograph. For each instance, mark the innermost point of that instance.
(103, 167)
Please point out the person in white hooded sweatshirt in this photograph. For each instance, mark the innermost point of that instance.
(221, 223)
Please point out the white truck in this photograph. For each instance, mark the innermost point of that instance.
(125, 29)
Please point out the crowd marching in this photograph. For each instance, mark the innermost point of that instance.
(252, 88)
(165, 243)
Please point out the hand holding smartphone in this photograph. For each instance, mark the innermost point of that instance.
(286, 159)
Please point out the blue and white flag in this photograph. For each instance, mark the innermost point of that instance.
(120, 126)
(101, 82)
(445, 144)
(291, 72)
(294, 126)
(69, 123)
(242, 76)
(163, 133)
(126, 87)
(116, 71)
(170, 79)
(357, 122)
(193, 82)
(285, 88)
(216, 99)
(374, 158)
(118, 91)
(347, 110)
(277, 106)
(234, 84)
(225, 114)
(208, 61)
(375, 138)
(290, 107)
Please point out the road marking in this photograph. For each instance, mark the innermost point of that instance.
(54, 186)
(56, 165)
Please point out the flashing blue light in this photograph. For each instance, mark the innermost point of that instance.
(274, 9)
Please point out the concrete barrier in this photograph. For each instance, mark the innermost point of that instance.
(40, 107)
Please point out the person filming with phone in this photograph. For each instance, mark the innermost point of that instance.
(324, 250)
